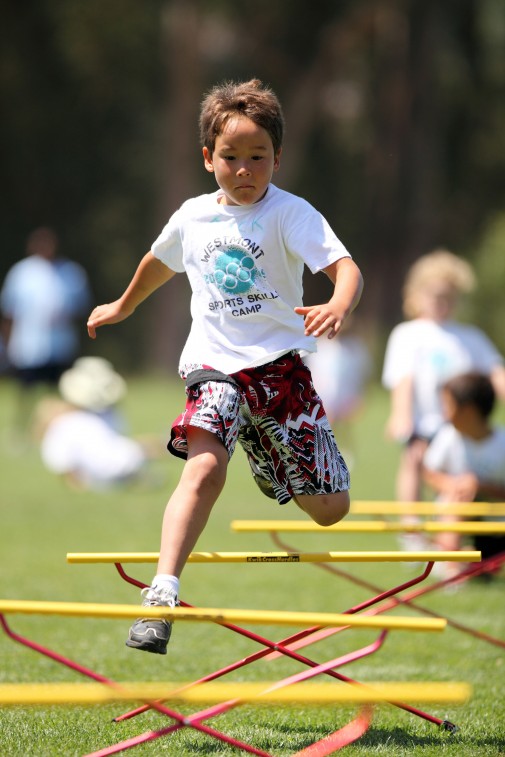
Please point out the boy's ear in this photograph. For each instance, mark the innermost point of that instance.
(207, 159)
(277, 159)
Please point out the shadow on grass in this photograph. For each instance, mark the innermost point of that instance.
(288, 739)
(399, 738)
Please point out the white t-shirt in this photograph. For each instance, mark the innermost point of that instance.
(85, 445)
(452, 453)
(432, 353)
(245, 265)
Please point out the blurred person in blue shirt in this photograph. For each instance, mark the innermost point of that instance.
(41, 299)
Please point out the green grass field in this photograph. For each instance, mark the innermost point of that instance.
(42, 520)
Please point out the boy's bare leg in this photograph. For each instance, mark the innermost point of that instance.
(185, 517)
(324, 509)
(408, 489)
(408, 480)
(190, 505)
(447, 541)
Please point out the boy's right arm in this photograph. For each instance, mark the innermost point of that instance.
(149, 276)
(454, 488)
(400, 423)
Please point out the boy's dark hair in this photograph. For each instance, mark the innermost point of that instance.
(251, 99)
(473, 389)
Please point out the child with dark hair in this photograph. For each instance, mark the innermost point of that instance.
(465, 462)
(244, 248)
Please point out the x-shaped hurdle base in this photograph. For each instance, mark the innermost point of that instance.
(319, 749)
(309, 636)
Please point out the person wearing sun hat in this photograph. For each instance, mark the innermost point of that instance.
(93, 384)
(79, 433)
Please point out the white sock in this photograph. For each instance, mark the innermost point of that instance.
(165, 581)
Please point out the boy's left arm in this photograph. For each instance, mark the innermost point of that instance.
(348, 281)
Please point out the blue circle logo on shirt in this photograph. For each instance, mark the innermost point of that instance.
(235, 271)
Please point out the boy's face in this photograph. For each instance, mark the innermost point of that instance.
(450, 406)
(463, 416)
(437, 301)
(243, 161)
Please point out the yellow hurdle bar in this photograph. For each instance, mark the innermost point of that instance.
(113, 557)
(386, 507)
(281, 557)
(372, 526)
(212, 693)
(219, 615)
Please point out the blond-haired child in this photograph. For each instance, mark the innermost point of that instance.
(425, 351)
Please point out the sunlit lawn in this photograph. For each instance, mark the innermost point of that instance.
(42, 520)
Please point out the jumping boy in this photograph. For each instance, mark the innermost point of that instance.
(243, 248)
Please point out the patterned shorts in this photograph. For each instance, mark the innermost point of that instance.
(276, 415)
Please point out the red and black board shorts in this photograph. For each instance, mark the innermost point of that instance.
(275, 414)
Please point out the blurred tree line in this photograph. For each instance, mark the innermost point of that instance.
(395, 115)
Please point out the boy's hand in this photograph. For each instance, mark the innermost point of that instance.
(348, 284)
(320, 319)
(465, 487)
(113, 312)
(399, 428)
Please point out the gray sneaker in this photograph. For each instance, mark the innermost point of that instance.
(263, 483)
(151, 635)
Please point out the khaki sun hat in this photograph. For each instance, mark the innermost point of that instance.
(92, 384)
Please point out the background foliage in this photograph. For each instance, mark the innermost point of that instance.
(395, 114)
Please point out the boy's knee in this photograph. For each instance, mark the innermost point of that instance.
(333, 514)
(327, 509)
(206, 471)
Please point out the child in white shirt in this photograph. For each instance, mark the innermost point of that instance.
(465, 462)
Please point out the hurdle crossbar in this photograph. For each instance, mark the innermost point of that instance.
(253, 693)
(372, 526)
(219, 615)
(386, 507)
(281, 557)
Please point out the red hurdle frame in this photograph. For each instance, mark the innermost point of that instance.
(270, 650)
(489, 565)
(298, 640)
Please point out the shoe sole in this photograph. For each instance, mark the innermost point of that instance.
(142, 646)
